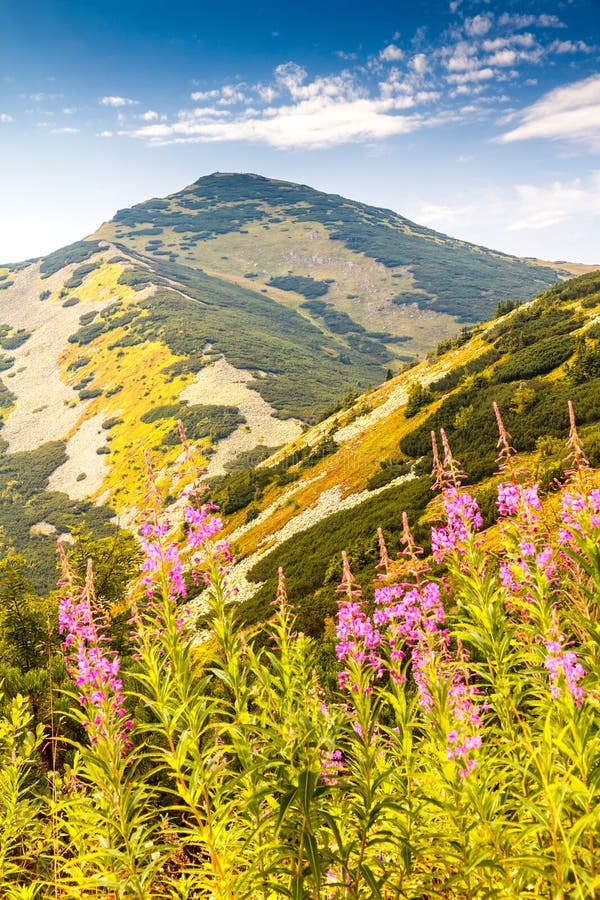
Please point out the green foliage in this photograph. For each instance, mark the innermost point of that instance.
(166, 411)
(388, 470)
(25, 501)
(88, 333)
(301, 284)
(458, 373)
(540, 320)
(205, 420)
(74, 253)
(89, 393)
(543, 356)
(418, 397)
(111, 422)
(78, 276)
(11, 338)
(586, 362)
(504, 307)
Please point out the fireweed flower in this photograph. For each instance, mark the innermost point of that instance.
(166, 558)
(93, 667)
(358, 639)
(564, 671)
(162, 563)
(331, 766)
(462, 517)
(580, 516)
(529, 567)
(463, 738)
(461, 511)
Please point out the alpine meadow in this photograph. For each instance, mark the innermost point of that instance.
(300, 494)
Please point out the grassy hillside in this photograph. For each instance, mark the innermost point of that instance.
(448, 276)
(375, 271)
(362, 467)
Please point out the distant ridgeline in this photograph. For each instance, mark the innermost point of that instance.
(450, 276)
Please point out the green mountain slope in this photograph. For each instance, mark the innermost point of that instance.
(365, 465)
(244, 306)
(433, 271)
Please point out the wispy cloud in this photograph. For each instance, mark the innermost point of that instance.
(570, 113)
(117, 101)
(543, 207)
(65, 130)
(406, 86)
(519, 20)
(320, 121)
(525, 207)
(5, 119)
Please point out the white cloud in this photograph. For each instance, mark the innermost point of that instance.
(391, 53)
(463, 57)
(5, 118)
(291, 77)
(570, 47)
(513, 40)
(149, 116)
(105, 134)
(69, 110)
(319, 121)
(117, 101)
(202, 112)
(503, 58)
(543, 207)
(512, 57)
(544, 215)
(198, 96)
(419, 63)
(546, 21)
(520, 20)
(478, 25)
(570, 113)
(474, 75)
(66, 130)
(266, 92)
(231, 94)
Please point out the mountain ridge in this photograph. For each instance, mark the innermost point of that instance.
(235, 305)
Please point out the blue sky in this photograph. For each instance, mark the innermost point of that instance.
(480, 119)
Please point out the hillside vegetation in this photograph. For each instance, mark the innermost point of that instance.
(351, 473)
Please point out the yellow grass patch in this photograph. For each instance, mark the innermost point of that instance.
(127, 376)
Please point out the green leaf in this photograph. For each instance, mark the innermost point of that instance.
(313, 856)
(369, 877)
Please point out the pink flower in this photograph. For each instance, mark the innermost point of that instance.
(564, 670)
(94, 668)
(463, 518)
